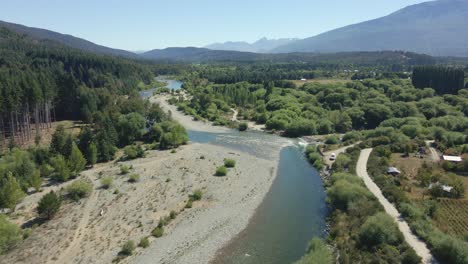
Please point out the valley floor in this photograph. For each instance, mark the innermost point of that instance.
(94, 229)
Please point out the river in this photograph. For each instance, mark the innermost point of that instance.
(292, 212)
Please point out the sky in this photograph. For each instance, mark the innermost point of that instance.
(149, 24)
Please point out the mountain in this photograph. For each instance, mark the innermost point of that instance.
(438, 28)
(202, 55)
(67, 40)
(262, 45)
(192, 54)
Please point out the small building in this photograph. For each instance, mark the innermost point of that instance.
(444, 187)
(303, 79)
(393, 171)
(451, 158)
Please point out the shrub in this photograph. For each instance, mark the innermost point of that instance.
(78, 190)
(172, 215)
(449, 250)
(317, 252)
(144, 242)
(379, 229)
(158, 232)
(106, 182)
(196, 196)
(189, 204)
(128, 248)
(49, 205)
(229, 163)
(331, 140)
(124, 169)
(243, 126)
(133, 152)
(221, 171)
(134, 178)
(10, 235)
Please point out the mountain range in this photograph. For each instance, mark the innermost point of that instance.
(437, 28)
(262, 45)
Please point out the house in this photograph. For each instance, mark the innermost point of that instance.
(444, 187)
(393, 171)
(452, 158)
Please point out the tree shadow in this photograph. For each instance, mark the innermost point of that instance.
(33, 222)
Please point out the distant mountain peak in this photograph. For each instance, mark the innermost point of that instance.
(263, 45)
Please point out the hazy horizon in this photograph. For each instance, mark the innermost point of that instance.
(146, 25)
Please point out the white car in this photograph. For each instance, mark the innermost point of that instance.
(333, 156)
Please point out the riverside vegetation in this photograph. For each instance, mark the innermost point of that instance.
(381, 108)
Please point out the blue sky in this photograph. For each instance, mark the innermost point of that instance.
(149, 24)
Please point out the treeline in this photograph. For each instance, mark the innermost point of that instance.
(444, 80)
(317, 108)
(41, 81)
(38, 79)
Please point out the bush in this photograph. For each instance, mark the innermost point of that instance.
(128, 248)
(243, 126)
(172, 215)
(144, 242)
(221, 171)
(133, 152)
(196, 196)
(229, 163)
(380, 229)
(106, 182)
(449, 250)
(158, 232)
(317, 252)
(331, 140)
(189, 204)
(124, 169)
(10, 235)
(78, 190)
(49, 205)
(134, 178)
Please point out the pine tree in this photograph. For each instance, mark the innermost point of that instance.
(92, 154)
(76, 161)
(49, 205)
(10, 192)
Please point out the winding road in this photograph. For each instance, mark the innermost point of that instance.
(418, 245)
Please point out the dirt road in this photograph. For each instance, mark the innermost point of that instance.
(418, 245)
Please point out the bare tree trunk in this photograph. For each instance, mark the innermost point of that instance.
(3, 131)
(12, 127)
(36, 121)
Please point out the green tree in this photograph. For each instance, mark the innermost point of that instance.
(76, 161)
(130, 128)
(10, 235)
(91, 155)
(59, 139)
(49, 205)
(10, 192)
(61, 169)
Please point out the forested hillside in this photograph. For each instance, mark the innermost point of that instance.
(67, 40)
(41, 81)
(44, 81)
